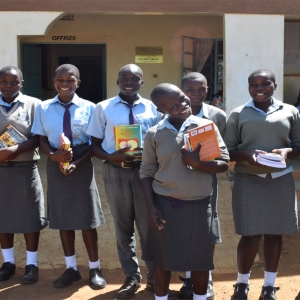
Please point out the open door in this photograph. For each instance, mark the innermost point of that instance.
(32, 70)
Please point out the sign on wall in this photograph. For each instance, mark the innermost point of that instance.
(292, 48)
(149, 55)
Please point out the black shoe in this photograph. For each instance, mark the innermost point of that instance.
(298, 296)
(31, 274)
(210, 292)
(268, 293)
(97, 280)
(8, 269)
(67, 278)
(150, 287)
(128, 289)
(240, 291)
(186, 291)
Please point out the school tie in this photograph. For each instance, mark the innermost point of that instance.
(67, 123)
(132, 116)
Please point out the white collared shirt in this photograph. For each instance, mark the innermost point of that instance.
(113, 112)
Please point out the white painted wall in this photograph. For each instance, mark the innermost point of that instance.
(15, 24)
(251, 42)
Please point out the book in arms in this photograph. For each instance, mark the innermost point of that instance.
(271, 160)
(11, 137)
(207, 138)
(129, 136)
(64, 144)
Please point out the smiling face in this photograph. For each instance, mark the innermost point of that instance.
(196, 90)
(130, 80)
(174, 103)
(66, 83)
(11, 83)
(261, 87)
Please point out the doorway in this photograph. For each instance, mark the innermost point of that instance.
(39, 62)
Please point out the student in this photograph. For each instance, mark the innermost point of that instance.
(178, 199)
(123, 185)
(22, 200)
(73, 198)
(263, 198)
(194, 85)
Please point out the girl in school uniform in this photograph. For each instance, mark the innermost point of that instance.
(73, 198)
(263, 199)
(22, 198)
(178, 198)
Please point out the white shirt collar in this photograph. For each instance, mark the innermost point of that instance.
(19, 98)
(203, 112)
(166, 124)
(75, 100)
(274, 106)
(118, 99)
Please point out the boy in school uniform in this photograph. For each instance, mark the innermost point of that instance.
(194, 85)
(123, 185)
(178, 198)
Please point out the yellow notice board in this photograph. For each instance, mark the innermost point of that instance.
(149, 55)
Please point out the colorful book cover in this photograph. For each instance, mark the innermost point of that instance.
(206, 136)
(64, 144)
(11, 137)
(128, 136)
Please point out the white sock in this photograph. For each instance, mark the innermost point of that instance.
(270, 278)
(71, 262)
(32, 258)
(94, 264)
(161, 297)
(8, 255)
(188, 274)
(210, 277)
(243, 278)
(199, 297)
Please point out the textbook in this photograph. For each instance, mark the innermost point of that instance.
(64, 144)
(11, 137)
(206, 136)
(129, 136)
(271, 160)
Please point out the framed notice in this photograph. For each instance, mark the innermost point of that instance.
(149, 55)
(292, 48)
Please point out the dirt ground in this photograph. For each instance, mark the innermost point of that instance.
(288, 281)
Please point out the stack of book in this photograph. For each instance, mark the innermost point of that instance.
(271, 159)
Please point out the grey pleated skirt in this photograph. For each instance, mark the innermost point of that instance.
(215, 222)
(21, 198)
(73, 201)
(264, 205)
(185, 242)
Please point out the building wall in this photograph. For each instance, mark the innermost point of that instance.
(122, 33)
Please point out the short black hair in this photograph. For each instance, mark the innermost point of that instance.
(263, 71)
(68, 67)
(192, 76)
(162, 89)
(131, 66)
(8, 68)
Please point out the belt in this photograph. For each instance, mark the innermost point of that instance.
(135, 164)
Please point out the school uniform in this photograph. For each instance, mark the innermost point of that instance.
(123, 185)
(218, 116)
(183, 197)
(263, 198)
(73, 201)
(22, 197)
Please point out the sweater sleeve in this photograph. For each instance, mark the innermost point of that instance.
(223, 148)
(232, 135)
(294, 130)
(149, 164)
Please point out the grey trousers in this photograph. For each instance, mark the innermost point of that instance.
(128, 206)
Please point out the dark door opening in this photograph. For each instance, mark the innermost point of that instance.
(39, 62)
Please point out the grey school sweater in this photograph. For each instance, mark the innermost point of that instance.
(247, 129)
(21, 116)
(162, 161)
